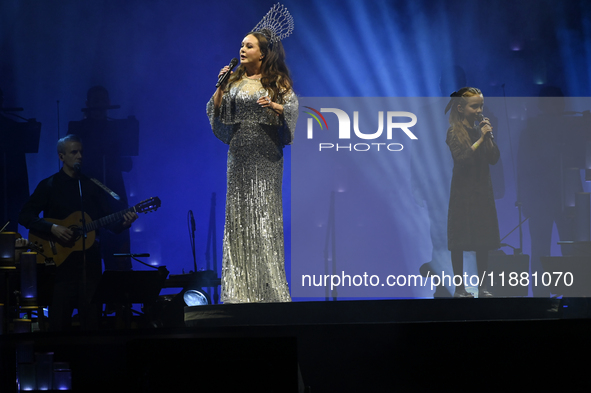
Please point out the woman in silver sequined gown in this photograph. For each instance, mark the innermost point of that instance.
(255, 114)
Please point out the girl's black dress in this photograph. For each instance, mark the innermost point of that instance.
(472, 222)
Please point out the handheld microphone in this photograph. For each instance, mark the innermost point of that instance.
(77, 167)
(479, 118)
(224, 77)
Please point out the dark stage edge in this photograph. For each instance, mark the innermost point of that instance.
(381, 311)
(418, 345)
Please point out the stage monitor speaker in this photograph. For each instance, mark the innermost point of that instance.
(127, 287)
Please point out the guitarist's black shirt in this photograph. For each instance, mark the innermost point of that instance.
(57, 197)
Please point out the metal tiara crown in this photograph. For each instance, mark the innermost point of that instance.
(278, 22)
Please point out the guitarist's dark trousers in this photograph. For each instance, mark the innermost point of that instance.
(69, 292)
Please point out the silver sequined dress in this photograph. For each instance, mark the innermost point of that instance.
(253, 265)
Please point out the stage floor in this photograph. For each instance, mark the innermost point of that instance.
(418, 345)
(379, 311)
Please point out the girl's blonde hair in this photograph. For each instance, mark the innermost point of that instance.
(456, 117)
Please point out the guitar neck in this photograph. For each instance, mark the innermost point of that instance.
(108, 219)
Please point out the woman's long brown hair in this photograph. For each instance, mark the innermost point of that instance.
(275, 75)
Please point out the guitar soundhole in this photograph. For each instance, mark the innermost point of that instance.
(77, 233)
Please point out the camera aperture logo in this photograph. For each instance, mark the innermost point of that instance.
(344, 131)
(315, 117)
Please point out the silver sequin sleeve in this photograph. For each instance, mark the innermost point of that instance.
(231, 114)
(290, 118)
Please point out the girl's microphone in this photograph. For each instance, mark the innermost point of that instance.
(479, 118)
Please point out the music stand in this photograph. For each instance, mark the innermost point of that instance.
(128, 287)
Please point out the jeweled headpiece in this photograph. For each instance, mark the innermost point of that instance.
(276, 25)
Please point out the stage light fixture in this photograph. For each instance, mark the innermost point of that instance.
(196, 297)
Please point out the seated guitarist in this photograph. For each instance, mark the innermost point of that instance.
(58, 197)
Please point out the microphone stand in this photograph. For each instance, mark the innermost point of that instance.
(330, 240)
(211, 246)
(192, 230)
(85, 299)
(518, 203)
(5, 189)
(58, 129)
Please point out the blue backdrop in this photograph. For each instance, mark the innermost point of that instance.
(160, 59)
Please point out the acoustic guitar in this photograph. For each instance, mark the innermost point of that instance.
(58, 250)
